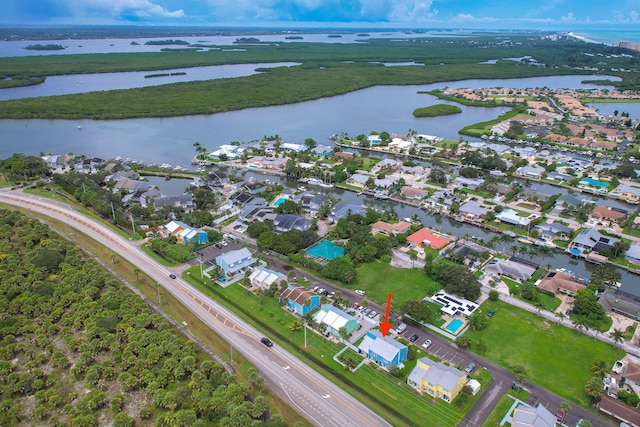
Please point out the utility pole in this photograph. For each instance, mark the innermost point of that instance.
(158, 291)
(200, 260)
(231, 346)
(305, 334)
(113, 212)
(133, 225)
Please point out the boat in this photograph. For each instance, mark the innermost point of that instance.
(510, 233)
(318, 182)
(381, 196)
(525, 241)
(79, 127)
(301, 188)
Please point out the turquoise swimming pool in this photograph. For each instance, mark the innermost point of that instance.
(278, 202)
(454, 326)
(325, 249)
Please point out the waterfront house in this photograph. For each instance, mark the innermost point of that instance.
(381, 227)
(183, 201)
(342, 209)
(633, 253)
(217, 179)
(413, 192)
(287, 222)
(186, 234)
(335, 319)
(289, 146)
(386, 163)
(529, 416)
(621, 302)
(147, 197)
(254, 187)
(263, 278)
(358, 179)
(591, 240)
(374, 139)
(442, 200)
(383, 183)
(627, 193)
(560, 177)
(299, 300)
(311, 201)
(593, 184)
(473, 210)
(550, 232)
(436, 379)
(509, 216)
(530, 171)
(233, 261)
(556, 281)
(322, 151)
(226, 152)
(427, 237)
(385, 351)
(568, 200)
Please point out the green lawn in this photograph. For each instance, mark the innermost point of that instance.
(387, 395)
(503, 406)
(549, 302)
(379, 279)
(555, 357)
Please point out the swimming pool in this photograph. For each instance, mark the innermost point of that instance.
(326, 249)
(278, 202)
(454, 326)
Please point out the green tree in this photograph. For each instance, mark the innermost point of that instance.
(617, 336)
(600, 368)
(463, 341)
(594, 389)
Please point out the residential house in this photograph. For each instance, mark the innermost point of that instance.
(453, 305)
(344, 155)
(253, 187)
(560, 177)
(226, 152)
(620, 411)
(381, 227)
(311, 201)
(413, 192)
(436, 379)
(529, 416)
(550, 232)
(186, 234)
(184, 201)
(428, 237)
(287, 222)
(569, 201)
(510, 268)
(323, 151)
(147, 197)
(556, 281)
(631, 376)
(593, 184)
(383, 183)
(633, 254)
(607, 213)
(386, 163)
(233, 261)
(299, 300)
(243, 198)
(217, 179)
(385, 351)
(342, 209)
(289, 146)
(509, 216)
(374, 139)
(627, 193)
(471, 183)
(335, 319)
(263, 278)
(473, 210)
(621, 302)
(591, 240)
(358, 179)
(442, 200)
(530, 171)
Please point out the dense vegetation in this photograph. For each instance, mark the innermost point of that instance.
(437, 110)
(324, 73)
(79, 349)
(19, 168)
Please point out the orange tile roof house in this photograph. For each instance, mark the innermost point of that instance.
(606, 213)
(559, 281)
(390, 229)
(429, 237)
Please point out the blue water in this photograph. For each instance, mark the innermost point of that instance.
(610, 37)
(325, 249)
(454, 325)
(279, 202)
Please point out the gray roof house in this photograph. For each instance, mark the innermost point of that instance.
(569, 200)
(530, 171)
(471, 183)
(184, 201)
(343, 208)
(287, 222)
(633, 254)
(311, 201)
(447, 379)
(561, 177)
(358, 179)
(591, 240)
(509, 216)
(473, 210)
(551, 231)
(527, 416)
(511, 269)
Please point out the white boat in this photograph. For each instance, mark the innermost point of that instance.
(525, 241)
(79, 127)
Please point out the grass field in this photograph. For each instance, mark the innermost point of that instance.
(555, 357)
(503, 406)
(379, 279)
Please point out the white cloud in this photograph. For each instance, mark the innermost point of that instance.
(568, 18)
(143, 9)
(628, 17)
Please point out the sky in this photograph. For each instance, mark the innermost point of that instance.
(464, 14)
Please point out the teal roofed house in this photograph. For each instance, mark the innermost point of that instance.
(335, 319)
(593, 183)
(300, 300)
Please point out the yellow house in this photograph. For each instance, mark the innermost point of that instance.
(436, 379)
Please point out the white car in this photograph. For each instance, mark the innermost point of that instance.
(359, 292)
(426, 344)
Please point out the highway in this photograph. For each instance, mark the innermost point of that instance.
(317, 399)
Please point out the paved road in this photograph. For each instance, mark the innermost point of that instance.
(313, 396)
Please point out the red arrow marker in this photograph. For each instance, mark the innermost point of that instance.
(384, 327)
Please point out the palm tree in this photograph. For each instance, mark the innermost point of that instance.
(584, 423)
(579, 323)
(617, 336)
(137, 272)
(565, 407)
(463, 342)
(599, 368)
(560, 315)
(594, 389)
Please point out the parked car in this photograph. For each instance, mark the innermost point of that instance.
(617, 367)
(372, 314)
(491, 313)
(356, 305)
(315, 288)
(568, 312)
(173, 276)
(361, 308)
(359, 292)
(426, 344)
(366, 311)
(560, 415)
(218, 245)
(470, 367)
(267, 342)
(320, 291)
(400, 328)
(413, 338)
